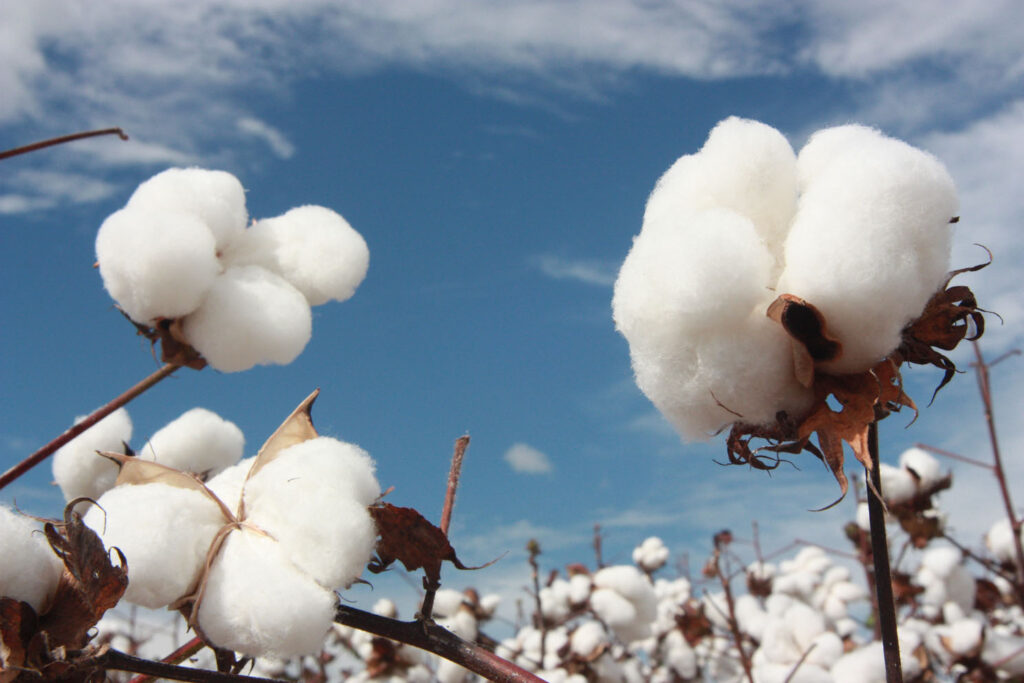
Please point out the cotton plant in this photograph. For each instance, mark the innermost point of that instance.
(760, 275)
(29, 569)
(179, 258)
(253, 563)
(198, 441)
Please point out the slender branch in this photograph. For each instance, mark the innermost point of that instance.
(883, 576)
(533, 547)
(597, 546)
(453, 482)
(799, 663)
(954, 456)
(76, 429)
(119, 661)
(177, 657)
(433, 638)
(61, 140)
(986, 397)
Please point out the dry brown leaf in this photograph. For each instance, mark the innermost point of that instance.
(17, 626)
(407, 536)
(811, 340)
(174, 348)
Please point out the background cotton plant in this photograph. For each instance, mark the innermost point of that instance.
(179, 255)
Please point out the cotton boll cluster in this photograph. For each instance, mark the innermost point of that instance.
(29, 569)
(999, 541)
(180, 249)
(78, 470)
(857, 225)
(651, 555)
(198, 441)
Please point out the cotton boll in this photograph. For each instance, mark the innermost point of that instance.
(250, 317)
(944, 578)
(863, 665)
(898, 485)
(745, 166)
(156, 264)
(447, 602)
(164, 532)
(199, 441)
(313, 499)
(870, 244)
(214, 197)
(554, 602)
(651, 555)
(258, 603)
(79, 470)
(579, 589)
(923, 464)
(29, 569)
(587, 637)
(227, 485)
(312, 247)
(829, 144)
(1005, 649)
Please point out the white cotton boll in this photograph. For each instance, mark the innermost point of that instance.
(312, 247)
(863, 665)
(679, 656)
(554, 601)
(258, 603)
(944, 578)
(863, 516)
(313, 499)
(385, 608)
(870, 244)
(750, 616)
(1005, 649)
(199, 441)
(79, 470)
(29, 569)
(227, 485)
(829, 144)
(250, 317)
(651, 555)
(898, 485)
(164, 532)
(923, 464)
(961, 638)
(156, 264)
(628, 582)
(579, 589)
(587, 637)
(999, 541)
(489, 605)
(215, 197)
(447, 602)
(745, 166)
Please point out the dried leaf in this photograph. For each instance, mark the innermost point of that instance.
(89, 585)
(174, 348)
(407, 536)
(17, 625)
(811, 340)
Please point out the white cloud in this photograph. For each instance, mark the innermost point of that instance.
(276, 140)
(581, 270)
(37, 190)
(527, 459)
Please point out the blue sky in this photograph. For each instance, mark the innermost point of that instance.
(496, 157)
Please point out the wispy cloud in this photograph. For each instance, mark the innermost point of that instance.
(274, 138)
(591, 272)
(35, 190)
(526, 459)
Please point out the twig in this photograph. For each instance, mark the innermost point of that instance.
(94, 417)
(454, 472)
(954, 456)
(61, 140)
(721, 540)
(799, 663)
(433, 638)
(177, 657)
(533, 547)
(597, 546)
(883, 576)
(986, 397)
(119, 661)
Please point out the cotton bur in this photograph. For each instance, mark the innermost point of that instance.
(180, 251)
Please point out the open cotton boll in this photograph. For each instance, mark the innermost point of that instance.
(829, 144)
(79, 470)
(898, 485)
(745, 166)
(227, 485)
(651, 555)
(164, 532)
(625, 601)
(870, 244)
(250, 317)
(312, 247)
(29, 569)
(156, 264)
(199, 441)
(313, 499)
(923, 464)
(217, 198)
(258, 603)
(999, 541)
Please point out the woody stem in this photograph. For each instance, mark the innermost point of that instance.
(883, 576)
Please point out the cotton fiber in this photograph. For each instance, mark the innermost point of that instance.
(77, 467)
(199, 441)
(29, 569)
(857, 225)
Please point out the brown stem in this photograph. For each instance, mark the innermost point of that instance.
(433, 638)
(119, 661)
(721, 540)
(986, 397)
(883, 576)
(533, 547)
(453, 482)
(61, 140)
(954, 456)
(597, 546)
(76, 429)
(177, 657)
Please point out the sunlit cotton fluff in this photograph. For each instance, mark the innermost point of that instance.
(312, 247)
(624, 600)
(250, 317)
(77, 467)
(313, 499)
(29, 569)
(258, 603)
(164, 532)
(199, 441)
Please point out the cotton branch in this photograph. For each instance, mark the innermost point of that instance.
(61, 140)
(76, 429)
(454, 473)
(428, 636)
(113, 659)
